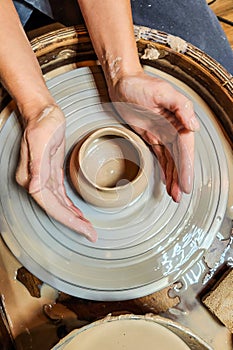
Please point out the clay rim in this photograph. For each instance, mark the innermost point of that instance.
(189, 338)
(112, 131)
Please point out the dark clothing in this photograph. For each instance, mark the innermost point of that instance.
(193, 21)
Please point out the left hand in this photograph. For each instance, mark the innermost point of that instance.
(165, 119)
(40, 170)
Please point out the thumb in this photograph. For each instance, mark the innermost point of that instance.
(177, 103)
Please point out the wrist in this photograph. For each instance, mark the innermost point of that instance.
(32, 108)
(119, 86)
(116, 69)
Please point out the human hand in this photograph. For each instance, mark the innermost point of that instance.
(165, 119)
(40, 170)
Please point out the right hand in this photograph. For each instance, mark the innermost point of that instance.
(165, 119)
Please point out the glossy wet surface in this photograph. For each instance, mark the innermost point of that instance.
(152, 234)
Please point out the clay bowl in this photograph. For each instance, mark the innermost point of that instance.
(110, 168)
(132, 332)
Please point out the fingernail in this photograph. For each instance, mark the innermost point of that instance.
(194, 124)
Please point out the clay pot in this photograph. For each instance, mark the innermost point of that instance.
(111, 167)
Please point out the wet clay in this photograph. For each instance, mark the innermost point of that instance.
(25, 316)
(111, 171)
(189, 313)
(127, 335)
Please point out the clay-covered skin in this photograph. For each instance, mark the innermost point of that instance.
(165, 119)
(40, 170)
(42, 152)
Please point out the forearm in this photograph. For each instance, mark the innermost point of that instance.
(19, 69)
(110, 26)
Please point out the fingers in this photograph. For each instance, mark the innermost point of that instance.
(168, 171)
(159, 152)
(179, 168)
(176, 191)
(173, 146)
(179, 104)
(54, 200)
(185, 113)
(22, 173)
(185, 146)
(65, 214)
(40, 170)
(165, 119)
(52, 196)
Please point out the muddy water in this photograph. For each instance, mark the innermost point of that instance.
(191, 313)
(28, 324)
(127, 335)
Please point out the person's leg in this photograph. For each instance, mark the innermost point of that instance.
(24, 10)
(193, 21)
(65, 12)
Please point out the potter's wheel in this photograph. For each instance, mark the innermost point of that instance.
(141, 249)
